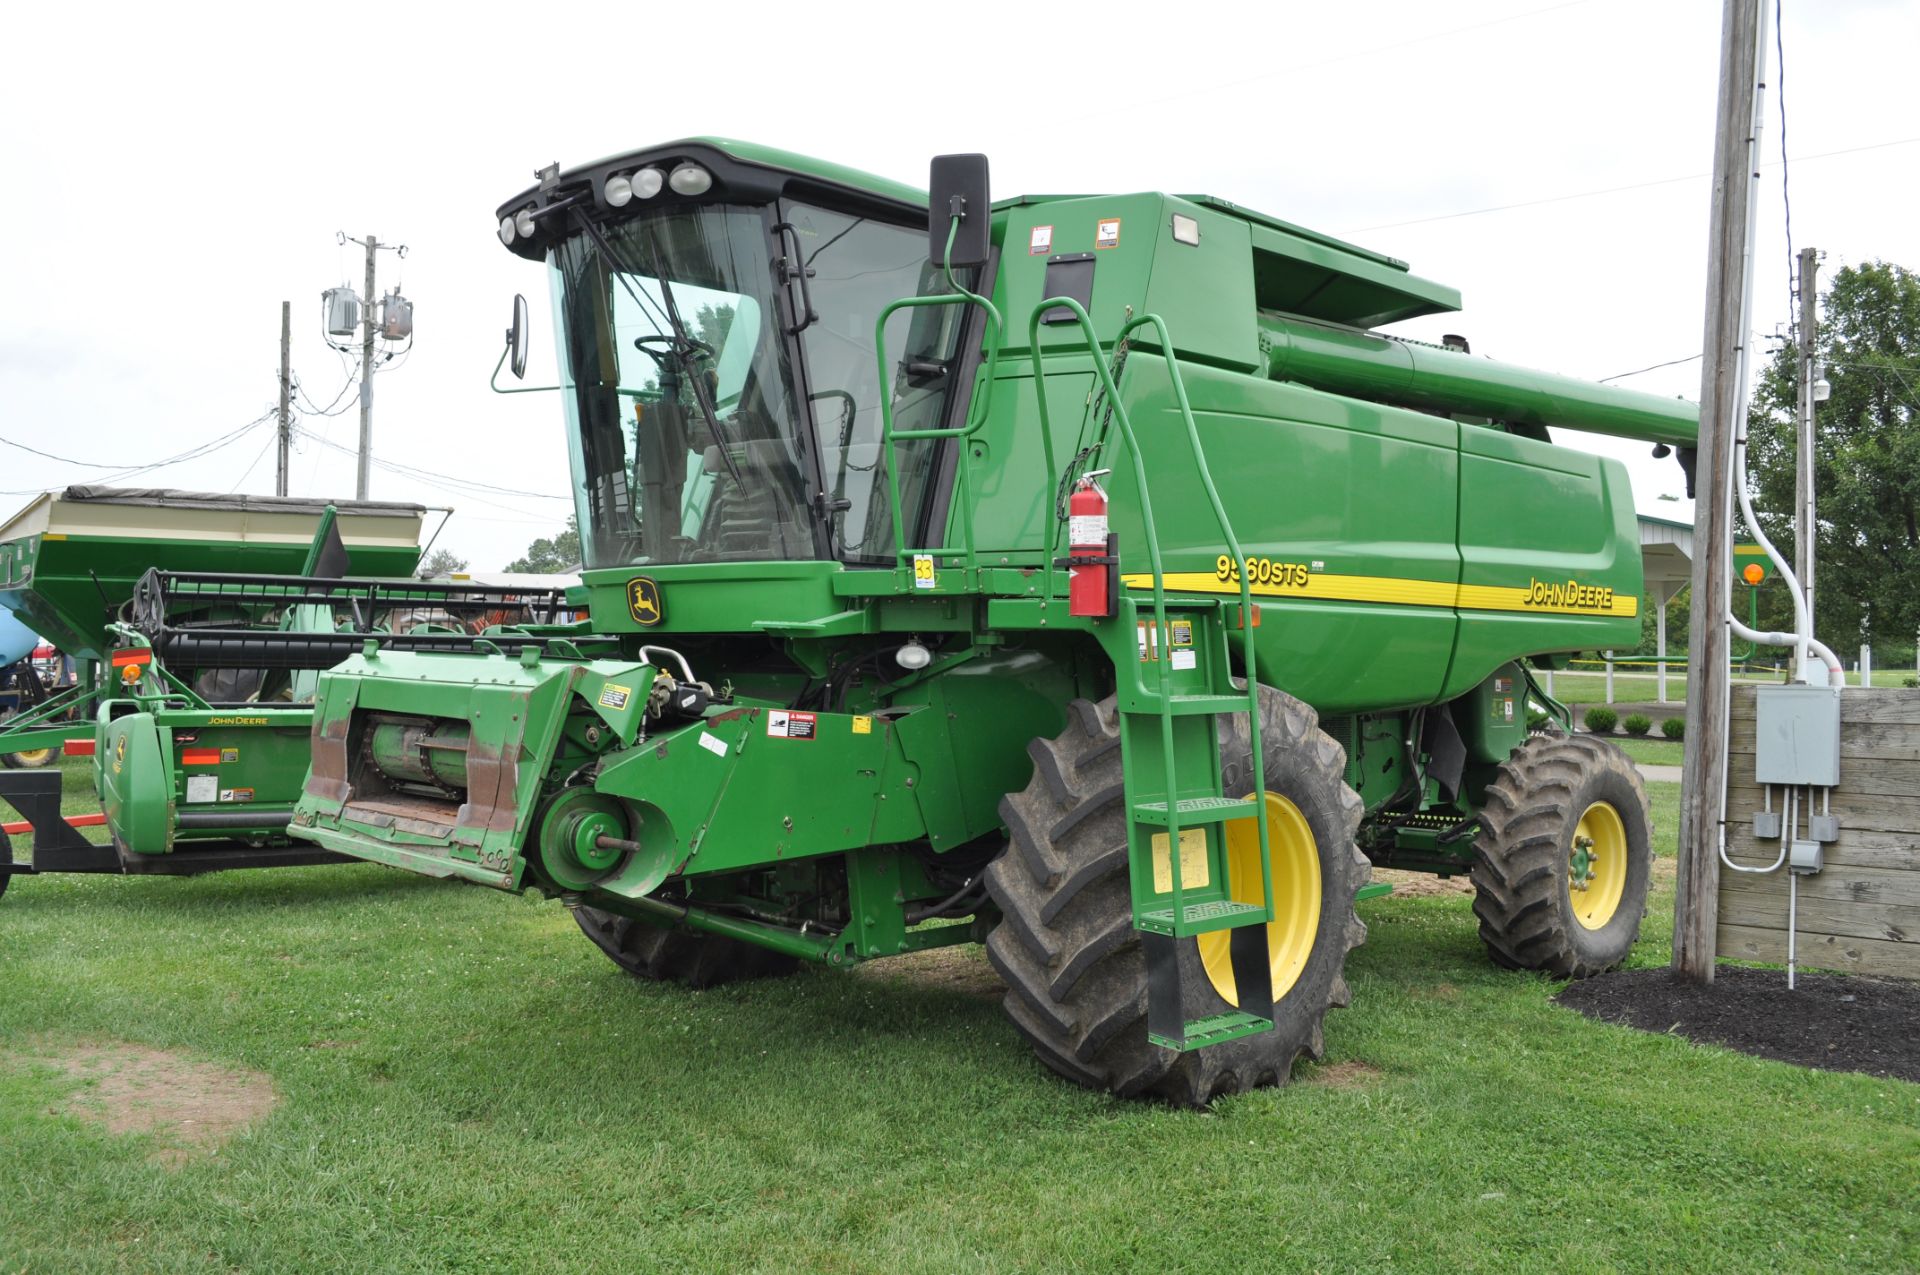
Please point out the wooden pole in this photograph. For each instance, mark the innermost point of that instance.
(1803, 522)
(285, 427)
(1704, 776)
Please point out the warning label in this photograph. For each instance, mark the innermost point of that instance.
(1107, 233)
(863, 726)
(203, 788)
(612, 696)
(783, 724)
(236, 794)
(1040, 242)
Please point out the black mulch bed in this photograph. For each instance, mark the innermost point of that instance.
(1834, 1022)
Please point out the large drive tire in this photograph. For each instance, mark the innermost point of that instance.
(1074, 967)
(676, 956)
(1541, 905)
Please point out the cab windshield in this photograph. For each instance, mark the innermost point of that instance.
(702, 427)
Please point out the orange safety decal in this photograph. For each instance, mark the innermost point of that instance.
(133, 655)
(200, 757)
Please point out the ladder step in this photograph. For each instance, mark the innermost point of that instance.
(1200, 918)
(1202, 1032)
(1195, 810)
(1197, 705)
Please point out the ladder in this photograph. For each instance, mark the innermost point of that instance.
(1179, 819)
(920, 568)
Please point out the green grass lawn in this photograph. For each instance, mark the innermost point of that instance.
(1587, 684)
(1650, 752)
(467, 1085)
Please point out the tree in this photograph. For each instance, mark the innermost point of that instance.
(1866, 459)
(546, 557)
(441, 562)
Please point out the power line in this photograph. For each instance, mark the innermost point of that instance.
(1614, 190)
(1621, 376)
(124, 472)
(330, 408)
(256, 464)
(444, 482)
(1297, 67)
(1786, 193)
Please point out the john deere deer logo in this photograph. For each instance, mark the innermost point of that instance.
(643, 599)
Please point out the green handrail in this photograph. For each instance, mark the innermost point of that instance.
(976, 416)
(1176, 867)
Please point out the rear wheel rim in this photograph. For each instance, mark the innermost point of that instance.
(1294, 857)
(1597, 866)
(35, 756)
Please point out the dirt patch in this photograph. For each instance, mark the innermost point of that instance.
(1352, 1074)
(1831, 1021)
(189, 1105)
(954, 969)
(1421, 885)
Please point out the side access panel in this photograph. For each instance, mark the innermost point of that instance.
(1346, 511)
(1550, 552)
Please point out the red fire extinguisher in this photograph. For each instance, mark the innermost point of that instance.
(1093, 585)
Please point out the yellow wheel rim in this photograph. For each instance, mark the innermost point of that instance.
(1597, 866)
(35, 757)
(1295, 863)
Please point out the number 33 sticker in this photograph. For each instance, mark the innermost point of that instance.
(923, 577)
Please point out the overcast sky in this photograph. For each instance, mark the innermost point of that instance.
(173, 172)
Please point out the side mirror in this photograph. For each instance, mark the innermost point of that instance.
(957, 187)
(517, 339)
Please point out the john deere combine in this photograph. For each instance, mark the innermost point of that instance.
(1076, 575)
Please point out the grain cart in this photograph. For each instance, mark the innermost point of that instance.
(1076, 575)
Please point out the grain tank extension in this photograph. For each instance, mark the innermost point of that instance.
(839, 447)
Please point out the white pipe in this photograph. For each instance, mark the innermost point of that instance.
(1786, 840)
(1835, 675)
(1793, 903)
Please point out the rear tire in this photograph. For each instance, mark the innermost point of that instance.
(1066, 947)
(37, 759)
(1536, 911)
(677, 956)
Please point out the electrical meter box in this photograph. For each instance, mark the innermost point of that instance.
(1797, 735)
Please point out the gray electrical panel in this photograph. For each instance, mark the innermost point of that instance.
(1797, 735)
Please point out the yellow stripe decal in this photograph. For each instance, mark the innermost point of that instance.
(1556, 597)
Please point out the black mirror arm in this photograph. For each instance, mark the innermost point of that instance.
(494, 381)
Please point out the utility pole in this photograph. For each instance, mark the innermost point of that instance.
(372, 323)
(286, 395)
(1725, 343)
(366, 378)
(1803, 524)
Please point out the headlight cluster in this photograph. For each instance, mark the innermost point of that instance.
(622, 189)
(686, 178)
(518, 225)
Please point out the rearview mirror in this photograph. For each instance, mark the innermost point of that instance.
(957, 187)
(517, 339)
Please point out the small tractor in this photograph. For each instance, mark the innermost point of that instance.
(1077, 575)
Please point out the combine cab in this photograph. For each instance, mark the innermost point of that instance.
(1078, 575)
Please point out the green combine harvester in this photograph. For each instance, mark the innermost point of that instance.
(197, 675)
(1076, 575)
